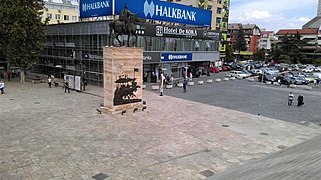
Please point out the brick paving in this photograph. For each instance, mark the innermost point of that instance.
(48, 134)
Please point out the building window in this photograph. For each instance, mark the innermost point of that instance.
(219, 10)
(219, 1)
(178, 0)
(66, 17)
(49, 15)
(57, 16)
(74, 18)
(209, 7)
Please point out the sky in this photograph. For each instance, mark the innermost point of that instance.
(273, 14)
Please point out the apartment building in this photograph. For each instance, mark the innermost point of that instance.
(252, 35)
(266, 40)
(61, 11)
(216, 6)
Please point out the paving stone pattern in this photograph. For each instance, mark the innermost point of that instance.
(48, 134)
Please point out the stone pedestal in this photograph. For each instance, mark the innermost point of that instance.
(123, 70)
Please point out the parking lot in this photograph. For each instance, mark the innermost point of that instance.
(254, 98)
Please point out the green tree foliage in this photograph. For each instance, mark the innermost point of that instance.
(285, 59)
(229, 54)
(22, 32)
(317, 61)
(240, 44)
(259, 55)
(289, 45)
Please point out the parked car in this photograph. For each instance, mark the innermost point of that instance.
(293, 67)
(267, 77)
(238, 74)
(317, 69)
(249, 73)
(298, 80)
(257, 71)
(308, 70)
(283, 80)
(225, 68)
(310, 78)
(214, 70)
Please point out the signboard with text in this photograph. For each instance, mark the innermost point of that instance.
(166, 11)
(95, 8)
(178, 32)
(176, 57)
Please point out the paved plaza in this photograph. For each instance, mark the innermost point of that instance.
(48, 134)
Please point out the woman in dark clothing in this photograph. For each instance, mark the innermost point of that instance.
(300, 100)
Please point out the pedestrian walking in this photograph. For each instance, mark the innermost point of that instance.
(9, 75)
(162, 79)
(49, 81)
(85, 84)
(2, 87)
(300, 100)
(185, 82)
(290, 99)
(190, 76)
(66, 85)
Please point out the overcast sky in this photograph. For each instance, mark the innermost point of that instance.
(273, 14)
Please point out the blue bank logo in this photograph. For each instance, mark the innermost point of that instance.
(95, 5)
(176, 57)
(166, 11)
(160, 10)
(149, 9)
(95, 8)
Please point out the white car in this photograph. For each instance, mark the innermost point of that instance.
(257, 71)
(238, 74)
(317, 69)
(308, 70)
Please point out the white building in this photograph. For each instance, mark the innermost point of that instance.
(61, 11)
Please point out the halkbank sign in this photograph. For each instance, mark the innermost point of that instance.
(148, 9)
(95, 8)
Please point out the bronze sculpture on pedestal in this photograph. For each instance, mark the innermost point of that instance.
(126, 25)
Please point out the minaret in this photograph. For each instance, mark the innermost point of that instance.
(316, 21)
(319, 8)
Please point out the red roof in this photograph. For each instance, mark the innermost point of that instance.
(295, 31)
(266, 32)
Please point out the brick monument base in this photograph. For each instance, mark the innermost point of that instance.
(123, 70)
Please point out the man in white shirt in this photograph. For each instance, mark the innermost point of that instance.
(2, 87)
(161, 78)
(290, 99)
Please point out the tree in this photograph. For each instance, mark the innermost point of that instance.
(229, 54)
(22, 32)
(285, 59)
(240, 44)
(291, 46)
(259, 55)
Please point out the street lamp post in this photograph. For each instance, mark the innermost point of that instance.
(260, 103)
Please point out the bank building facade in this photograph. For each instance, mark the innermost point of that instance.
(172, 37)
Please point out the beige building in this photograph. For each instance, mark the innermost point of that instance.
(61, 11)
(216, 6)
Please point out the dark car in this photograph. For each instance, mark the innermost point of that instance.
(267, 77)
(283, 80)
